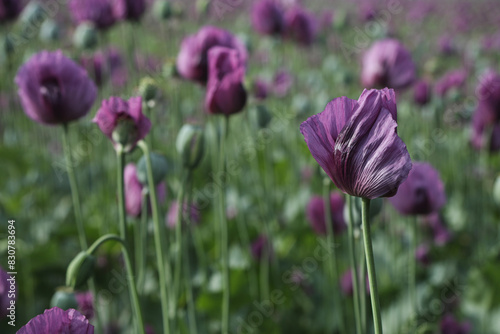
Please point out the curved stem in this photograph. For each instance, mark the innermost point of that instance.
(75, 196)
(332, 263)
(354, 266)
(121, 193)
(163, 266)
(223, 229)
(134, 299)
(370, 264)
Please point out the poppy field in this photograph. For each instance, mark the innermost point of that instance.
(249, 166)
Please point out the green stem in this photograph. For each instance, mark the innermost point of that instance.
(75, 195)
(134, 299)
(332, 263)
(413, 267)
(224, 229)
(178, 236)
(370, 262)
(121, 193)
(140, 239)
(362, 289)
(354, 266)
(163, 270)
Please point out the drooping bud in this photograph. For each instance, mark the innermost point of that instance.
(64, 298)
(190, 145)
(80, 270)
(159, 165)
(85, 36)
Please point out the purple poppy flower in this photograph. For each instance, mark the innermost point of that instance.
(267, 17)
(422, 254)
(99, 12)
(123, 121)
(449, 325)
(194, 214)
(422, 92)
(259, 245)
(9, 10)
(387, 63)
(316, 214)
(452, 79)
(300, 26)
(421, 193)
(129, 9)
(192, 61)
(57, 321)
(356, 144)
(282, 82)
(6, 296)
(108, 62)
(225, 92)
(54, 89)
(85, 302)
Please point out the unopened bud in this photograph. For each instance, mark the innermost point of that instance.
(80, 270)
(85, 36)
(190, 145)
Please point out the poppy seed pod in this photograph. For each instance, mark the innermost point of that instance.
(80, 269)
(57, 321)
(50, 31)
(159, 165)
(162, 9)
(148, 89)
(64, 298)
(356, 144)
(85, 36)
(190, 145)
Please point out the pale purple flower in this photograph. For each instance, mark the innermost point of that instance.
(300, 25)
(387, 63)
(54, 89)
(57, 321)
(192, 210)
(99, 12)
(192, 60)
(421, 193)
(356, 144)
(267, 17)
(452, 79)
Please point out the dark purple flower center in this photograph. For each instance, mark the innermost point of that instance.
(51, 93)
(422, 204)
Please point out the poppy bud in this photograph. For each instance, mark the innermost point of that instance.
(50, 31)
(64, 298)
(190, 145)
(260, 116)
(159, 165)
(85, 36)
(148, 89)
(80, 270)
(33, 13)
(162, 10)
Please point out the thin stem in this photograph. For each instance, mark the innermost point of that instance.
(178, 236)
(74, 189)
(370, 262)
(75, 195)
(163, 270)
(413, 267)
(189, 287)
(140, 239)
(354, 266)
(134, 299)
(121, 193)
(223, 229)
(332, 263)
(362, 287)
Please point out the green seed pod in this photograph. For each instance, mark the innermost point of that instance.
(80, 270)
(32, 16)
(159, 165)
(64, 298)
(190, 145)
(85, 36)
(50, 31)
(148, 89)
(260, 116)
(162, 9)
(496, 191)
